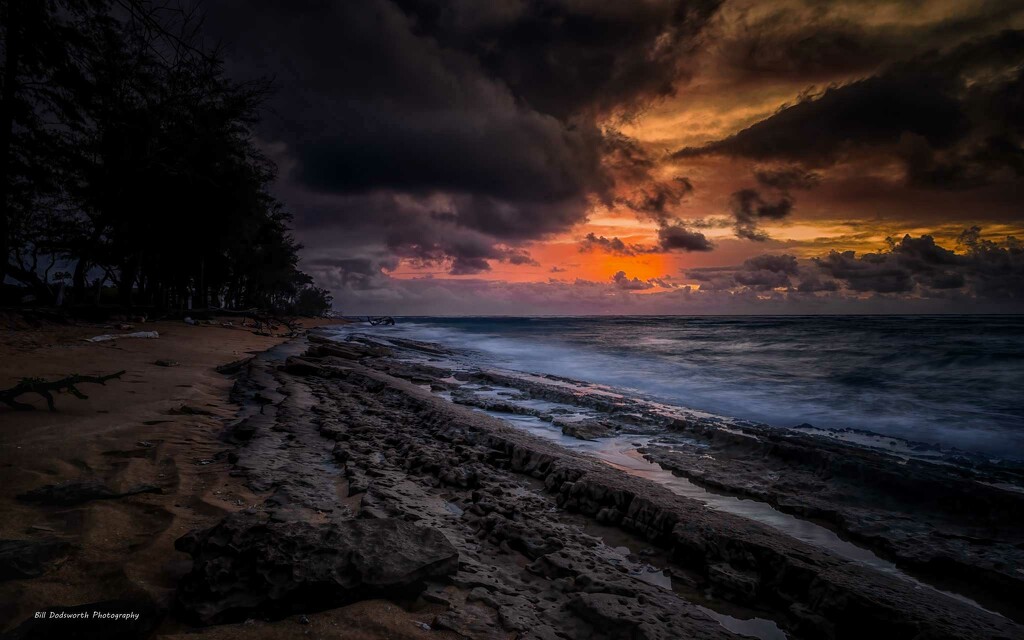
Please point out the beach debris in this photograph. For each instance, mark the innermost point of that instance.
(116, 336)
(186, 410)
(29, 558)
(72, 493)
(236, 565)
(422, 625)
(190, 321)
(262, 323)
(233, 367)
(166, 363)
(46, 389)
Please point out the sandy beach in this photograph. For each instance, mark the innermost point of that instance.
(155, 428)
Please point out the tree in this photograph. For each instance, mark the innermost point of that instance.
(40, 42)
(312, 301)
(137, 164)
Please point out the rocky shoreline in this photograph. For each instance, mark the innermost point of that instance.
(546, 542)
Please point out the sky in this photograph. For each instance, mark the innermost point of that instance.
(451, 157)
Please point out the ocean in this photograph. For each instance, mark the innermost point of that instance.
(953, 381)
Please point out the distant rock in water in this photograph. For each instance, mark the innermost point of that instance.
(246, 566)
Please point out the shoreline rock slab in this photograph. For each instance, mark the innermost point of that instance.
(29, 558)
(246, 566)
(538, 526)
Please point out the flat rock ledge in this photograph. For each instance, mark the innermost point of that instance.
(246, 565)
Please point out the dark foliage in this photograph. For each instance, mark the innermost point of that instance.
(126, 153)
(312, 301)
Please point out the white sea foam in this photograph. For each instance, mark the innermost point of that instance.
(948, 381)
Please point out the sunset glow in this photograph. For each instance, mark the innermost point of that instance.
(482, 175)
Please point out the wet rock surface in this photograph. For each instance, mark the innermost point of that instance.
(29, 558)
(368, 439)
(943, 523)
(949, 517)
(246, 565)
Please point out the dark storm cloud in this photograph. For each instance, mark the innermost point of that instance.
(775, 263)
(749, 208)
(772, 48)
(439, 241)
(520, 257)
(622, 281)
(565, 57)
(870, 272)
(787, 178)
(877, 110)
(656, 200)
(462, 266)
(354, 273)
(515, 219)
(815, 41)
(615, 246)
(713, 278)
(952, 116)
(762, 273)
(985, 269)
(671, 237)
(492, 106)
(812, 282)
(512, 155)
(677, 237)
(910, 266)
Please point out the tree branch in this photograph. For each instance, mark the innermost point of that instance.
(44, 388)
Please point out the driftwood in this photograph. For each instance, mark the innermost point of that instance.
(262, 320)
(233, 367)
(45, 389)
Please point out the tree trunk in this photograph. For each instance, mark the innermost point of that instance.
(78, 282)
(13, 50)
(129, 271)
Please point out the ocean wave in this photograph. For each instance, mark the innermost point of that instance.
(952, 381)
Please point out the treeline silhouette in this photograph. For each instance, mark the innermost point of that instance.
(128, 168)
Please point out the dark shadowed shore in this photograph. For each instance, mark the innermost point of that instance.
(350, 497)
